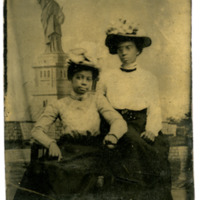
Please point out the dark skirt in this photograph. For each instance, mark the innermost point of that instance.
(141, 169)
(75, 176)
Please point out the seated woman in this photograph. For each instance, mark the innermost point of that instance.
(143, 166)
(80, 150)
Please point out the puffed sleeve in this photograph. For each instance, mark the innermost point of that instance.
(39, 132)
(154, 117)
(118, 126)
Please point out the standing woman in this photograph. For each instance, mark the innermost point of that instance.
(141, 165)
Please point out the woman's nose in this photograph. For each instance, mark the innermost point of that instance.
(83, 82)
(123, 51)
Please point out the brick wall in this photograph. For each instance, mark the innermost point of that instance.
(12, 131)
(21, 131)
(18, 131)
(180, 148)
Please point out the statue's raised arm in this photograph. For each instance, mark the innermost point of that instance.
(52, 17)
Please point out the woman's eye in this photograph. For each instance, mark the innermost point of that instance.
(89, 79)
(119, 50)
(129, 47)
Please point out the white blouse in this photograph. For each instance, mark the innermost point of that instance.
(79, 116)
(134, 90)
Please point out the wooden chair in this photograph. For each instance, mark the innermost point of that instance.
(37, 151)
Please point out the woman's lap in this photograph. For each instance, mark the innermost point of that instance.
(142, 170)
(76, 173)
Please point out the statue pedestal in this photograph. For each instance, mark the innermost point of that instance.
(51, 81)
(52, 59)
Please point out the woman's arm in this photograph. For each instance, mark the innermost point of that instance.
(118, 126)
(39, 132)
(154, 117)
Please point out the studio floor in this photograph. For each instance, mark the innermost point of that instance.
(18, 159)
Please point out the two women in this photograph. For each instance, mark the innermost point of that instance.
(138, 161)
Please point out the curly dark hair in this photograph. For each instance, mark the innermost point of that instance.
(75, 68)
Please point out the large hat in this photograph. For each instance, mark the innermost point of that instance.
(122, 31)
(79, 56)
(79, 60)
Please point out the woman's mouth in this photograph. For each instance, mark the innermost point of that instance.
(82, 88)
(124, 59)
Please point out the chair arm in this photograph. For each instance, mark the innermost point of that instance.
(35, 147)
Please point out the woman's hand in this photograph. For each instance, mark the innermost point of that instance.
(148, 136)
(110, 141)
(54, 151)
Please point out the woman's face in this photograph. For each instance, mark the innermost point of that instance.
(127, 52)
(82, 82)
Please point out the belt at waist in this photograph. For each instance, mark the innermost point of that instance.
(131, 115)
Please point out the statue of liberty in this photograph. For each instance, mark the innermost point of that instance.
(52, 17)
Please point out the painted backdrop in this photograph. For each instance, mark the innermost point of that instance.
(167, 22)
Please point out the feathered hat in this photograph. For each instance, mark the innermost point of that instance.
(123, 30)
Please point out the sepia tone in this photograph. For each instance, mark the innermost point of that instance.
(36, 71)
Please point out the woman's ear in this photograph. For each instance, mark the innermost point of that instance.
(138, 53)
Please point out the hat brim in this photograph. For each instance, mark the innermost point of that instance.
(112, 40)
